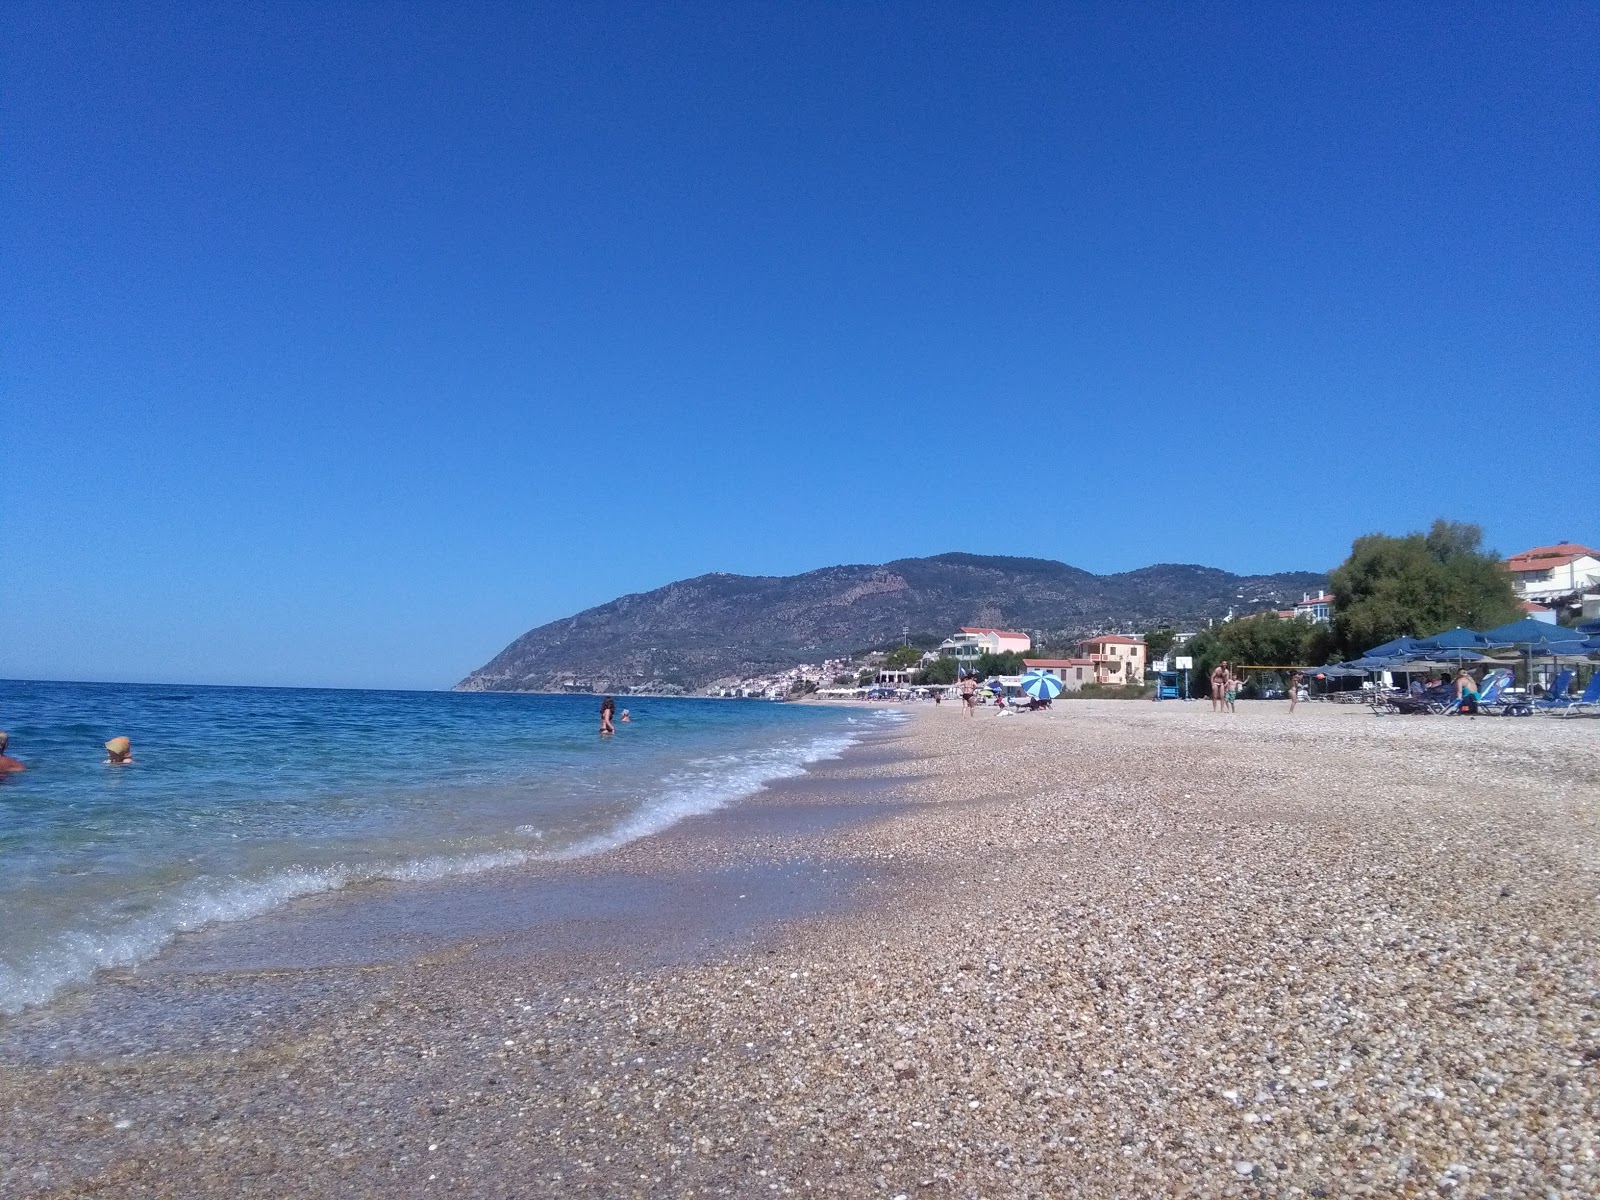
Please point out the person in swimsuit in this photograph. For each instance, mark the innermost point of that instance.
(8, 765)
(969, 694)
(623, 718)
(1467, 692)
(1230, 688)
(607, 706)
(119, 752)
(1219, 675)
(1295, 682)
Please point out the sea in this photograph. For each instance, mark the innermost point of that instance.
(240, 800)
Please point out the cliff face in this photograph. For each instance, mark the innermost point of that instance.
(684, 635)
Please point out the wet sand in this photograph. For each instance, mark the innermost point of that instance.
(1118, 949)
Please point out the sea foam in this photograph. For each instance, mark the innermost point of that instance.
(73, 956)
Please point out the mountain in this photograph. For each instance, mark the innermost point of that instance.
(683, 636)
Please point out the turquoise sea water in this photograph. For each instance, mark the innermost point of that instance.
(241, 799)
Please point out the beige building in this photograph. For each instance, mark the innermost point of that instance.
(1115, 658)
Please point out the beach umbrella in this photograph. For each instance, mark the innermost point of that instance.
(1528, 632)
(1400, 645)
(1041, 685)
(1454, 639)
(1453, 645)
(1539, 639)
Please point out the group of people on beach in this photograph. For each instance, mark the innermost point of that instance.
(119, 753)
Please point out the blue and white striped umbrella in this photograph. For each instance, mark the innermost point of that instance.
(1041, 685)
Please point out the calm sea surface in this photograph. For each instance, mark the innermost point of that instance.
(241, 799)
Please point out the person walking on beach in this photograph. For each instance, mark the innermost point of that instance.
(1295, 682)
(8, 765)
(1219, 682)
(608, 705)
(969, 694)
(1230, 687)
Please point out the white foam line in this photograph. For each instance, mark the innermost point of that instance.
(76, 955)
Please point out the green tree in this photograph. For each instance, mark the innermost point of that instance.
(942, 670)
(1008, 663)
(902, 656)
(1158, 641)
(1263, 640)
(1418, 585)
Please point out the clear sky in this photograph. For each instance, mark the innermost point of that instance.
(342, 344)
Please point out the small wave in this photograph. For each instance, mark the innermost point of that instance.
(736, 778)
(75, 956)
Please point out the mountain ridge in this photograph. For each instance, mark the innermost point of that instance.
(691, 632)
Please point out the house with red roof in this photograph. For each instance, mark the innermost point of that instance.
(1560, 573)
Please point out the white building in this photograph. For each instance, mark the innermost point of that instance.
(1556, 572)
(975, 640)
(1315, 608)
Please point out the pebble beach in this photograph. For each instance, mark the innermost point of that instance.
(1116, 949)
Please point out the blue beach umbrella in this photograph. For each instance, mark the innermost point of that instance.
(1400, 645)
(1454, 639)
(1528, 632)
(1041, 685)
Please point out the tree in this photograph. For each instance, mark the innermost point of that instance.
(902, 656)
(1264, 640)
(1158, 641)
(1418, 585)
(1008, 663)
(941, 670)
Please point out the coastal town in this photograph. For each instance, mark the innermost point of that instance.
(1551, 582)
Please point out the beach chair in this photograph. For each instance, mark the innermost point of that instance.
(1588, 702)
(1488, 695)
(1496, 703)
(1559, 695)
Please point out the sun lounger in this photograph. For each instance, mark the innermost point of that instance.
(1488, 696)
(1588, 702)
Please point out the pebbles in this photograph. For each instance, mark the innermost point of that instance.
(1118, 949)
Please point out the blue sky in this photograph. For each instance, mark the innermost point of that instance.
(342, 344)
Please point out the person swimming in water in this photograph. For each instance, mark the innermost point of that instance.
(607, 706)
(8, 765)
(119, 752)
(623, 718)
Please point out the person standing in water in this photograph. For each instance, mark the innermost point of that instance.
(8, 765)
(608, 705)
(119, 752)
